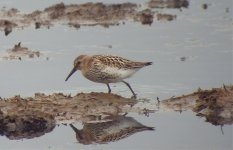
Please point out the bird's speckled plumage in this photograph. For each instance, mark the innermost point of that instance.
(103, 132)
(107, 69)
(118, 62)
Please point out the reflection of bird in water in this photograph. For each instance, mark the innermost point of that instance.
(107, 69)
(103, 132)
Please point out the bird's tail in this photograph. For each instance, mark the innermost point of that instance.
(143, 128)
(150, 128)
(148, 63)
(141, 64)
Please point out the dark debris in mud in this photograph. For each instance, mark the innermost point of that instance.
(7, 26)
(146, 17)
(204, 6)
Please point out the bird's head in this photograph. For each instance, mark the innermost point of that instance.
(79, 64)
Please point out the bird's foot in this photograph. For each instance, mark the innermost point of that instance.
(134, 96)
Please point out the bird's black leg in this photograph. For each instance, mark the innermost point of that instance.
(109, 89)
(134, 95)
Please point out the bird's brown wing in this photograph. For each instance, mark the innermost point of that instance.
(119, 62)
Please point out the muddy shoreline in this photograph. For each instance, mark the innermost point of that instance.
(87, 14)
(34, 116)
(74, 15)
(214, 105)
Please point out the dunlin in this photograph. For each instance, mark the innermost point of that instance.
(110, 131)
(107, 69)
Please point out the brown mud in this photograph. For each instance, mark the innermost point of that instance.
(168, 4)
(214, 105)
(165, 17)
(82, 107)
(74, 15)
(34, 116)
(27, 125)
(87, 14)
(20, 52)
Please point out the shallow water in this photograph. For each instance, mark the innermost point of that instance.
(172, 131)
(203, 37)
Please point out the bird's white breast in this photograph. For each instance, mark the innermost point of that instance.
(120, 74)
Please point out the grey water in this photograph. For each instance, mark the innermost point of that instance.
(203, 37)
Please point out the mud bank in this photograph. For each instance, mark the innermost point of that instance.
(34, 116)
(74, 15)
(27, 125)
(20, 52)
(168, 3)
(82, 107)
(87, 14)
(165, 17)
(214, 105)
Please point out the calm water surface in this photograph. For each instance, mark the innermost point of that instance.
(204, 37)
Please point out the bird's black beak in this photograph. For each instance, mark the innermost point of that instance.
(72, 71)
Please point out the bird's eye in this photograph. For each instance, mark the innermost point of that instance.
(78, 63)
